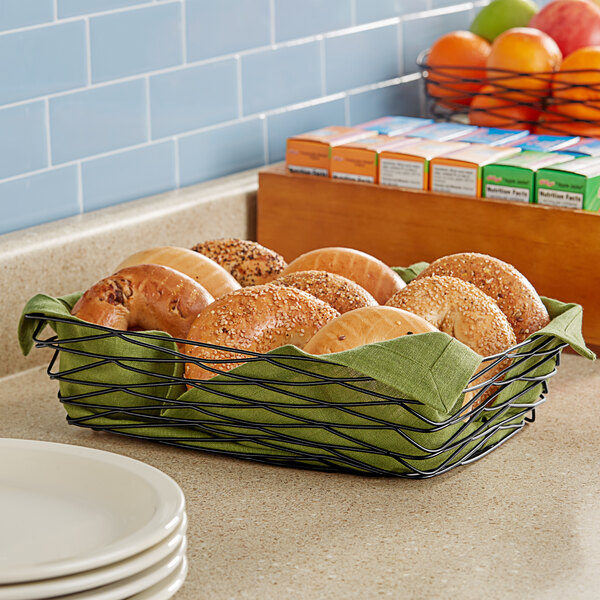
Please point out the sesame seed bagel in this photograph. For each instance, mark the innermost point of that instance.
(512, 291)
(366, 326)
(144, 297)
(205, 271)
(463, 311)
(366, 270)
(259, 319)
(248, 262)
(341, 293)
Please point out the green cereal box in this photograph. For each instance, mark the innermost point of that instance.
(574, 184)
(513, 178)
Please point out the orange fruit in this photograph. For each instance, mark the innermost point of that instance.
(532, 54)
(552, 122)
(490, 109)
(464, 55)
(578, 94)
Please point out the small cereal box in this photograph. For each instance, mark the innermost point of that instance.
(394, 126)
(311, 152)
(442, 132)
(494, 137)
(460, 172)
(513, 178)
(358, 161)
(585, 147)
(546, 143)
(574, 184)
(408, 166)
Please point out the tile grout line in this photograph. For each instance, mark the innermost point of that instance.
(272, 21)
(322, 63)
(347, 110)
(400, 52)
(184, 32)
(238, 77)
(88, 49)
(79, 188)
(55, 9)
(148, 113)
(353, 12)
(177, 168)
(265, 139)
(48, 142)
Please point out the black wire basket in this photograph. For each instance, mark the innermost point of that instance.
(277, 419)
(514, 103)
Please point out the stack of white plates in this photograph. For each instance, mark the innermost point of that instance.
(77, 523)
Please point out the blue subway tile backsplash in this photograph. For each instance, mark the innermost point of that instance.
(23, 143)
(104, 101)
(136, 41)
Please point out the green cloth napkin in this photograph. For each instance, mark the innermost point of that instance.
(277, 414)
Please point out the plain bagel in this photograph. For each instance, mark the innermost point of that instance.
(366, 270)
(248, 262)
(144, 297)
(512, 291)
(205, 271)
(340, 292)
(259, 319)
(366, 326)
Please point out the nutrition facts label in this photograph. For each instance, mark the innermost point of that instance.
(454, 180)
(352, 177)
(308, 170)
(505, 192)
(403, 173)
(558, 198)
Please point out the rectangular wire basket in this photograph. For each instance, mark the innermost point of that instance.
(276, 420)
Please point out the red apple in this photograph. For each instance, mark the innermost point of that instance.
(573, 24)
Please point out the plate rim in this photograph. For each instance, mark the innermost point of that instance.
(161, 524)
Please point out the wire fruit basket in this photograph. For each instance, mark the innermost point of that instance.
(554, 103)
(287, 409)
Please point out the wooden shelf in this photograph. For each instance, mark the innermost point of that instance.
(557, 249)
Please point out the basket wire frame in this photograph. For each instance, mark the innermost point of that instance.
(452, 102)
(508, 416)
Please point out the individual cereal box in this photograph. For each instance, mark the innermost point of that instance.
(311, 152)
(513, 178)
(442, 132)
(408, 166)
(394, 126)
(585, 147)
(358, 161)
(460, 172)
(493, 136)
(546, 143)
(574, 184)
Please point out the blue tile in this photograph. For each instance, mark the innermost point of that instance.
(42, 61)
(370, 10)
(22, 13)
(98, 120)
(275, 78)
(295, 19)
(40, 198)
(72, 8)
(221, 151)
(22, 139)
(226, 26)
(419, 34)
(194, 97)
(400, 99)
(373, 55)
(128, 175)
(283, 125)
(136, 41)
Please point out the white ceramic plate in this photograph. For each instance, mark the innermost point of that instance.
(168, 587)
(70, 584)
(68, 509)
(136, 583)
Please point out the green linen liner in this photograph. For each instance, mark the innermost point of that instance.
(429, 371)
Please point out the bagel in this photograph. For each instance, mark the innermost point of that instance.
(369, 272)
(341, 293)
(366, 326)
(463, 311)
(248, 262)
(205, 271)
(144, 297)
(258, 319)
(512, 291)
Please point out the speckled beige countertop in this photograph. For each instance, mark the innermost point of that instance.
(522, 523)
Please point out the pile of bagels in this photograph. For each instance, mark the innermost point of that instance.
(238, 294)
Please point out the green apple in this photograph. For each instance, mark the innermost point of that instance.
(500, 15)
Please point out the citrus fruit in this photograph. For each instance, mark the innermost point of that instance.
(530, 53)
(551, 122)
(464, 56)
(490, 109)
